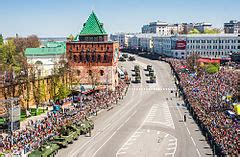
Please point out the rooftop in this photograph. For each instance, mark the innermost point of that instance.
(52, 48)
(93, 26)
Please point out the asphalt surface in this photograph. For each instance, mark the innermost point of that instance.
(148, 122)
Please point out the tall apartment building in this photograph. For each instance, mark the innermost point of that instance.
(232, 27)
(218, 46)
(157, 27)
(122, 39)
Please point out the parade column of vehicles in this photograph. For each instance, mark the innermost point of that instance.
(67, 135)
(152, 76)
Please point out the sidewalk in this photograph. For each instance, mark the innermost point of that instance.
(24, 123)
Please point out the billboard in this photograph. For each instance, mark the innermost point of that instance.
(181, 45)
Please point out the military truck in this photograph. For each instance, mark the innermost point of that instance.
(138, 79)
(121, 59)
(151, 73)
(46, 150)
(67, 135)
(149, 67)
(85, 126)
(137, 73)
(136, 68)
(153, 79)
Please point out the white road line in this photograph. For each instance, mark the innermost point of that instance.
(172, 140)
(198, 153)
(193, 141)
(112, 135)
(171, 148)
(122, 153)
(188, 131)
(169, 154)
(166, 136)
(124, 148)
(171, 144)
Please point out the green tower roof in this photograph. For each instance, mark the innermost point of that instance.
(93, 26)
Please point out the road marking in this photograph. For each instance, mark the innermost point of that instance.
(166, 154)
(198, 153)
(171, 148)
(112, 135)
(171, 144)
(124, 148)
(158, 132)
(193, 141)
(122, 152)
(188, 131)
(172, 140)
(166, 136)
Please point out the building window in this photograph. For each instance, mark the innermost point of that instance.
(74, 58)
(90, 72)
(78, 72)
(101, 72)
(87, 58)
(99, 58)
(105, 57)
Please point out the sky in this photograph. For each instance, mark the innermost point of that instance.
(60, 18)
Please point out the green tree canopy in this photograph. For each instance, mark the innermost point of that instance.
(212, 31)
(1, 39)
(194, 31)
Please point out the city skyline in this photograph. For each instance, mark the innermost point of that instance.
(50, 19)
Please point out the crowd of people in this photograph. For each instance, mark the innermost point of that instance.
(38, 132)
(210, 97)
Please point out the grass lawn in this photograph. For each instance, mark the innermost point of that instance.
(33, 113)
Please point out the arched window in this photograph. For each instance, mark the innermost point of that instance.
(101, 72)
(90, 72)
(78, 72)
(74, 58)
(105, 57)
(99, 58)
(80, 58)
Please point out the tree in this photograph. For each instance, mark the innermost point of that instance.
(63, 91)
(192, 61)
(212, 68)
(28, 42)
(1, 39)
(211, 31)
(194, 31)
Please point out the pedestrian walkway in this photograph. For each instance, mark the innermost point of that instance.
(24, 123)
(152, 89)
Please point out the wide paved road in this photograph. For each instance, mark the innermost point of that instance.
(147, 123)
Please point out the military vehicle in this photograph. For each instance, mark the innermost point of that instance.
(151, 73)
(67, 135)
(125, 55)
(85, 126)
(46, 150)
(121, 59)
(136, 68)
(153, 79)
(131, 58)
(149, 67)
(138, 79)
(137, 73)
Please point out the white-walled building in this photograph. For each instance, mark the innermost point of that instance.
(142, 42)
(218, 46)
(160, 28)
(45, 58)
(122, 39)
